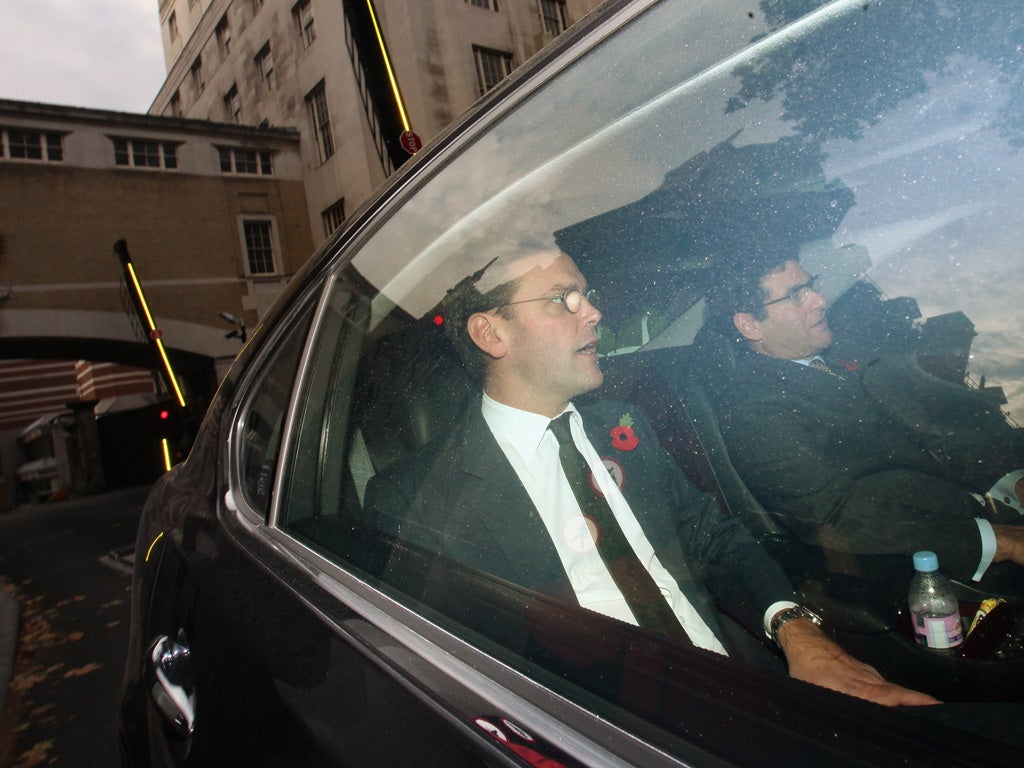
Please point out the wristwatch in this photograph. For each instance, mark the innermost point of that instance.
(788, 614)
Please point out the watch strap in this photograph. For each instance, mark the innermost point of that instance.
(787, 615)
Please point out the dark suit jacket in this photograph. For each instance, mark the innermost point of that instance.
(460, 497)
(840, 466)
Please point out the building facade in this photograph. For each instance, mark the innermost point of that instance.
(213, 217)
(351, 76)
(277, 119)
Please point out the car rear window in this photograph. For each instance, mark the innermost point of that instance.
(877, 145)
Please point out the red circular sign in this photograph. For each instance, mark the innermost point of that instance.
(411, 143)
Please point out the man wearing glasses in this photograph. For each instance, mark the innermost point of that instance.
(583, 504)
(830, 461)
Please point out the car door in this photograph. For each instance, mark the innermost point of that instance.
(251, 661)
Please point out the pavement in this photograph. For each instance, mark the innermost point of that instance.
(10, 617)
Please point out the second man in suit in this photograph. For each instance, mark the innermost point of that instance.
(837, 464)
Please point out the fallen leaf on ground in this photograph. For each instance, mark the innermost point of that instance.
(36, 754)
(25, 682)
(81, 671)
(22, 681)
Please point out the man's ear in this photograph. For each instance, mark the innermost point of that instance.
(484, 331)
(748, 325)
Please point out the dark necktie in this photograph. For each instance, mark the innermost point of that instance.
(645, 600)
(820, 365)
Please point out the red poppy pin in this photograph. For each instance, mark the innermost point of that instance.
(849, 365)
(623, 436)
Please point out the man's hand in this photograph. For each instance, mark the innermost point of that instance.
(1009, 543)
(814, 658)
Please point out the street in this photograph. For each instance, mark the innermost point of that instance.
(68, 565)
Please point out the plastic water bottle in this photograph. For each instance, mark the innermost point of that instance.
(934, 610)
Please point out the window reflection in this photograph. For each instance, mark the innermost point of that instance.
(878, 146)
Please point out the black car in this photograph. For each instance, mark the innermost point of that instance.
(274, 623)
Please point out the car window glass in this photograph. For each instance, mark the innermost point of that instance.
(260, 429)
(875, 143)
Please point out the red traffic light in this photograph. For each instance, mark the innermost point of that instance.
(165, 414)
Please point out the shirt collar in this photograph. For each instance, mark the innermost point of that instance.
(521, 430)
(807, 360)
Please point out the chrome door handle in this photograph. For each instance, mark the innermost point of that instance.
(171, 683)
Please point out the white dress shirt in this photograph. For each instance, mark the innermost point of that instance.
(532, 450)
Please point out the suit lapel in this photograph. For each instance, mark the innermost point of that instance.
(490, 494)
(789, 374)
(857, 419)
(494, 508)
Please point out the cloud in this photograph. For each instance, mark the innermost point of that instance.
(105, 53)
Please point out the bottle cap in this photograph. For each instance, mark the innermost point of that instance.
(926, 561)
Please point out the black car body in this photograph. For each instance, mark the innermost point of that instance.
(272, 625)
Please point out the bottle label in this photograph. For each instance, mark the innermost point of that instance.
(938, 631)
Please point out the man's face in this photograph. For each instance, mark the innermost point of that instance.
(793, 329)
(545, 355)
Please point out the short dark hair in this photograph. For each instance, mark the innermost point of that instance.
(737, 285)
(461, 303)
(466, 299)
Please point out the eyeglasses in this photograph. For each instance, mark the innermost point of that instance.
(798, 293)
(571, 299)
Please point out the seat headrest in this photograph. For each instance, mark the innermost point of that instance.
(412, 389)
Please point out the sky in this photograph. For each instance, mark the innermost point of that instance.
(105, 54)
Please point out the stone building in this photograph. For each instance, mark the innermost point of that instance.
(351, 76)
(214, 218)
(277, 119)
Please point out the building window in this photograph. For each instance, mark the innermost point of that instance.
(238, 160)
(552, 12)
(140, 153)
(18, 144)
(316, 103)
(175, 106)
(258, 240)
(197, 74)
(224, 37)
(303, 15)
(334, 216)
(172, 26)
(491, 67)
(265, 68)
(233, 105)
(491, 4)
